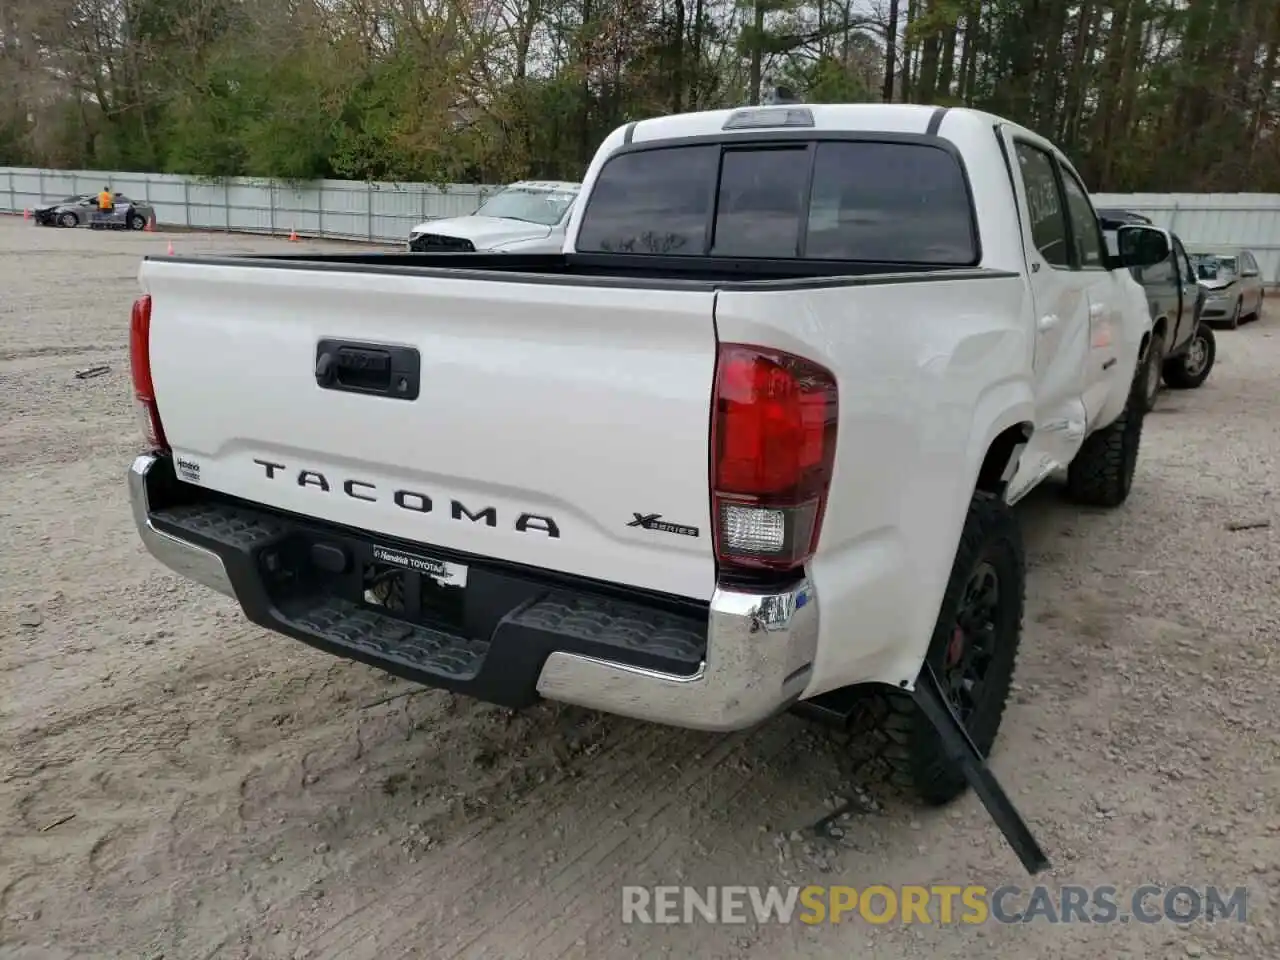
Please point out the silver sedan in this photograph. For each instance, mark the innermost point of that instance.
(1232, 285)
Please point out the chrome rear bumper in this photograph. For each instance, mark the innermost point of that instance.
(759, 653)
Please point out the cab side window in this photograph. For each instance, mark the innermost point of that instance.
(1089, 247)
(1047, 213)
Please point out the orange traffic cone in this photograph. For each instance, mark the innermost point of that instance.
(171, 248)
(26, 213)
(293, 235)
(151, 225)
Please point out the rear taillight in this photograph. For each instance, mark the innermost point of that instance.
(144, 390)
(773, 444)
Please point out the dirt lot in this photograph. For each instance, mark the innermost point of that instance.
(235, 794)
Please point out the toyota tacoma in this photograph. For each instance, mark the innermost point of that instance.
(749, 443)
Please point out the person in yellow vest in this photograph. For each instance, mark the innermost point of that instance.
(106, 203)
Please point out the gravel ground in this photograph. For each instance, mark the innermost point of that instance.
(232, 793)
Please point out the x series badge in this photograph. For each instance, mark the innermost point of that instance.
(654, 521)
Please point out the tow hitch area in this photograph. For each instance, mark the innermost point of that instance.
(955, 739)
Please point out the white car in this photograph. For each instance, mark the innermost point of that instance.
(525, 217)
(749, 444)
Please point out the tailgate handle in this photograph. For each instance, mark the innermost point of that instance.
(372, 368)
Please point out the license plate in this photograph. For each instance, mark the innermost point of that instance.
(441, 571)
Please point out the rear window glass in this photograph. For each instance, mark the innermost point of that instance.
(868, 201)
(901, 202)
(760, 202)
(654, 202)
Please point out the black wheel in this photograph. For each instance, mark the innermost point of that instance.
(1234, 322)
(1150, 378)
(1101, 475)
(68, 219)
(1192, 368)
(137, 221)
(973, 651)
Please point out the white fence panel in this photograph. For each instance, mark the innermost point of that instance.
(354, 210)
(1212, 220)
(342, 209)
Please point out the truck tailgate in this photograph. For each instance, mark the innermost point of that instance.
(549, 420)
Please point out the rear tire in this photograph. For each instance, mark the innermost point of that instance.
(1101, 475)
(974, 651)
(1192, 368)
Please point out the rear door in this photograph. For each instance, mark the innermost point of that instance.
(1061, 298)
(559, 426)
(1101, 372)
(1189, 293)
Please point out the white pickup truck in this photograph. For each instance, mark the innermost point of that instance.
(749, 443)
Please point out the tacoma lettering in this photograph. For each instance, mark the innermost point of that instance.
(412, 500)
(531, 521)
(488, 514)
(309, 478)
(348, 487)
(408, 500)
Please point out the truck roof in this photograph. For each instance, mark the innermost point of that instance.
(880, 117)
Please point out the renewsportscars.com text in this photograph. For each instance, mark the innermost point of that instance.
(936, 904)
